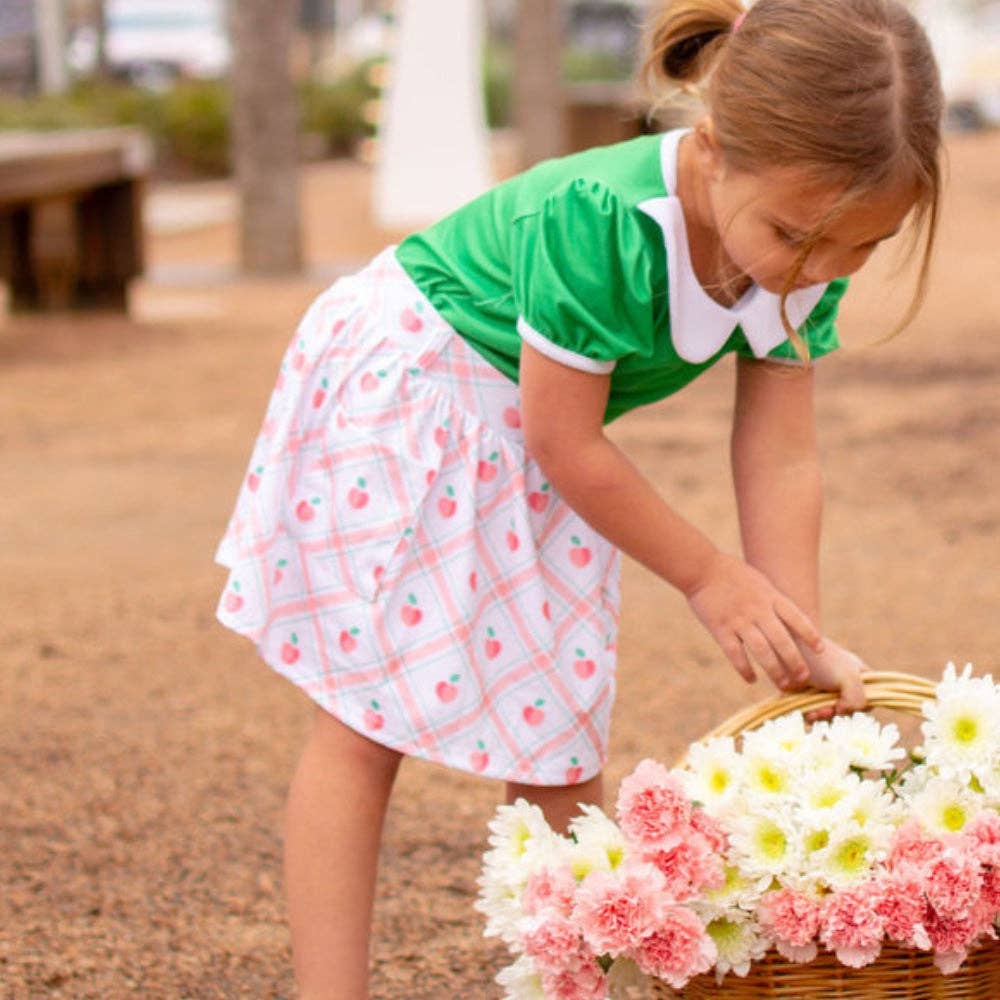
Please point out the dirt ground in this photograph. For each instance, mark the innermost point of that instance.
(146, 751)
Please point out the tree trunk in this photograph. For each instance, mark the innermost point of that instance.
(102, 70)
(50, 27)
(537, 79)
(265, 136)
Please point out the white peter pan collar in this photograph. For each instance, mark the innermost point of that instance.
(699, 325)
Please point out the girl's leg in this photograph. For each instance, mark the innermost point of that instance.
(336, 806)
(559, 803)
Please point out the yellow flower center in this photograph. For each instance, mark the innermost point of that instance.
(965, 730)
(772, 842)
(521, 837)
(723, 932)
(719, 781)
(953, 817)
(828, 797)
(852, 855)
(770, 780)
(615, 856)
(817, 840)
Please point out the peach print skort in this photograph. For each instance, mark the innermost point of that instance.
(396, 554)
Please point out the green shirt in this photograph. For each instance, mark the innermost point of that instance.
(585, 257)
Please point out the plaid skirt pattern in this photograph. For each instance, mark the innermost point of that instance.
(396, 554)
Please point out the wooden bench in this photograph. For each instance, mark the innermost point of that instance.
(71, 217)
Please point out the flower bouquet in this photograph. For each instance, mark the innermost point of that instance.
(817, 854)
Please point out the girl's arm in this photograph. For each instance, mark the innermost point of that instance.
(562, 411)
(777, 477)
(778, 481)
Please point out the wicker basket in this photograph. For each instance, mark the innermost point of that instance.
(898, 974)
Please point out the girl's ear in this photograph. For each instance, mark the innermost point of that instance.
(707, 149)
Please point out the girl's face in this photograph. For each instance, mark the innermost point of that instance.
(763, 218)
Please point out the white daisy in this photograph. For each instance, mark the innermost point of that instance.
(598, 839)
(784, 735)
(945, 806)
(871, 807)
(738, 891)
(738, 942)
(869, 745)
(848, 858)
(521, 981)
(713, 773)
(820, 753)
(764, 843)
(521, 842)
(500, 903)
(962, 727)
(766, 776)
(821, 791)
(986, 781)
(516, 831)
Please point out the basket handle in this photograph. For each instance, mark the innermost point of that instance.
(884, 689)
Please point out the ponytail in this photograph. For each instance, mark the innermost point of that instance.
(683, 40)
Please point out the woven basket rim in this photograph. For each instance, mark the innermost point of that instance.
(894, 690)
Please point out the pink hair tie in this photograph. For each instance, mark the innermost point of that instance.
(739, 20)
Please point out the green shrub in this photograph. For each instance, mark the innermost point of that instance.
(593, 66)
(497, 64)
(335, 110)
(193, 126)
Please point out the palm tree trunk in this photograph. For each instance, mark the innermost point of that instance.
(537, 83)
(265, 136)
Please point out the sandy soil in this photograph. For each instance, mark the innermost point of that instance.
(145, 750)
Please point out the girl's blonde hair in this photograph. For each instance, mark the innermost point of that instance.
(847, 89)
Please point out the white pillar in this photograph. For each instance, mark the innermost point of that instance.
(949, 30)
(50, 34)
(433, 151)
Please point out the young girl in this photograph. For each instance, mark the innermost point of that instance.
(427, 542)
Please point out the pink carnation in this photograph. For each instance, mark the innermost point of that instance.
(615, 911)
(688, 867)
(953, 884)
(991, 890)
(901, 904)
(851, 925)
(912, 848)
(653, 809)
(678, 949)
(790, 916)
(585, 981)
(951, 939)
(984, 833)
(549, 889)
(553, 942)
(711, 829)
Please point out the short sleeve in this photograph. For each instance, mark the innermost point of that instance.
(819, 330)
(581, 278)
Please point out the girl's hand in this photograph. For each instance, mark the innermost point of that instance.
(747, 614)
(836, 669)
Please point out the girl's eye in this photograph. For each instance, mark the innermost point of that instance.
(791, 239)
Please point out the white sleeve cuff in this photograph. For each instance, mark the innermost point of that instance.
(569, 358)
